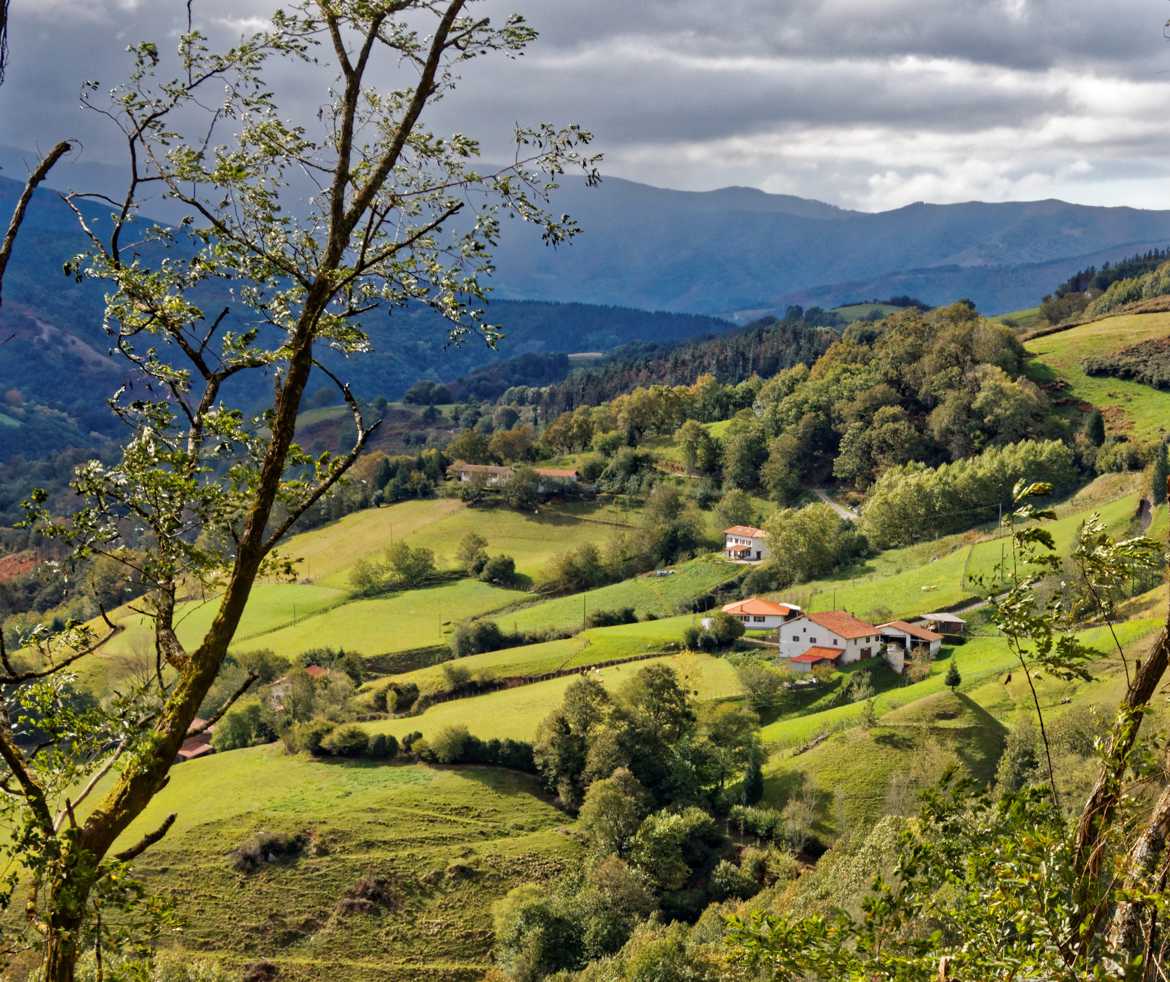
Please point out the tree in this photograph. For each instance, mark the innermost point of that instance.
(1158, 483)
(472, 553)
(410, 565)
(512, 445)
(500, 570)
(953, 679)
(735, 508)
(522, 490)
(377, 234)
(470, 446)
(613, 809)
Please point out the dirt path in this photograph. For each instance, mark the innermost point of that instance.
(846, 513)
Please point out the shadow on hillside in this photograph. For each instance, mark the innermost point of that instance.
(981, 755)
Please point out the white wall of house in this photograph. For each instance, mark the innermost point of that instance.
(760, 622)
(757, 544)
(797, 636)
(895, 657)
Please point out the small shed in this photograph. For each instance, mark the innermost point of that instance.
(816, 656)
(948, 625)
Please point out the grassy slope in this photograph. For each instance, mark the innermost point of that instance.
(855, 311)
(597, 645)
(1128, 406)
(646, 594)
(399, 823)
(399, 622)
(439, 524)
(920, 578)
(516, 713)
(858, 774)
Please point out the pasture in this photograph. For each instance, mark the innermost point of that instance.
(516, 713)
(444, 843)
(1128, 407)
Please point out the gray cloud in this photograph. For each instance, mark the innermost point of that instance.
(863, 103)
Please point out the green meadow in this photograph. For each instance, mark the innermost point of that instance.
(1128, 407)
(516, 713)
(444, 842)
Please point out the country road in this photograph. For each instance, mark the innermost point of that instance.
(846, 513)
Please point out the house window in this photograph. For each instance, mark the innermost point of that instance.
(759, 620)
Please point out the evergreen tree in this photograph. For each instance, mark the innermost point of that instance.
(1095, 428)
(753, 782)
(1161, 472)
(953, 679)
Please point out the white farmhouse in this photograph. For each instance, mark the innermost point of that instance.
(745, 543)
(758, 614)
(831, 636)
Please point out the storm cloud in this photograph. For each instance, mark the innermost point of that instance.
(864, 104)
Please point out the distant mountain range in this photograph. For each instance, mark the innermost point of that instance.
(699, 259)
(739, 251)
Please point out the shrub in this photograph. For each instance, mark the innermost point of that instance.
(500, 570)
(346, 741)
(370, 895)
(309, 736)
(477, 637)
(400, 696)
(268, 847)
(611, 618)
(383, 746)
(449, 745)
(729, 882)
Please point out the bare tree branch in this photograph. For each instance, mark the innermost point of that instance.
(18, 213)
(148, 840)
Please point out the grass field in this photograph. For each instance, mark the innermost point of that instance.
(1027, 319)
(1129, 407)
(516, 713)
(920, 578)
(658, 595)
(329, 553)
(858, 774)
(856, 311)
(599, 644)
(979, 659)
(406, 825)
(380, 625)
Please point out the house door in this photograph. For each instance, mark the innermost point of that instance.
(866, 652)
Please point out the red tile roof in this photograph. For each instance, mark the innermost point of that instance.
(759, 607)
(814, 655)
(316, 672)
(491, 469)
(914, 630)
(748, 531)
(843, 624)
(196, 746)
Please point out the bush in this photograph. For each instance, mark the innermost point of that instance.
(729, 882)
(449, 745)
(400, 696)
(611, 618)
(720, 631)
(309, 736)
(383, 746)
(500, 570)
(757, 821)
(477, 637)
(346, 741)
(370, 895)
(268, 847)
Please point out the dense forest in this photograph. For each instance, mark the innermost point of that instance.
(1082, 292)
(762, 349)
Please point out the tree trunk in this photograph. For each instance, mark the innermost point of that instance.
(62, 943)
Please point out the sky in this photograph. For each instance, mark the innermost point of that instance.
(867, 104)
